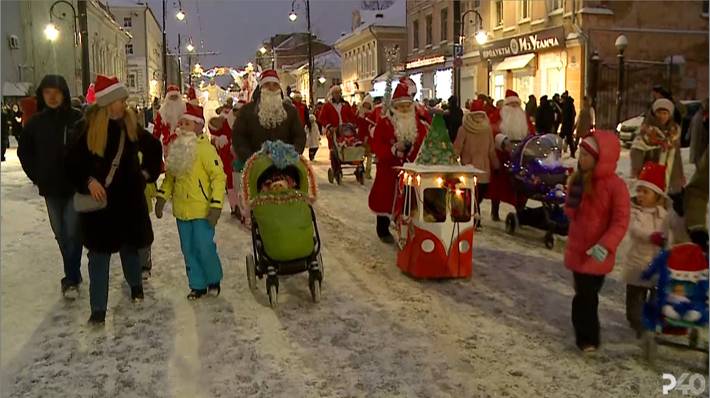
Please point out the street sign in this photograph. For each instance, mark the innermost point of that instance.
(458, 50)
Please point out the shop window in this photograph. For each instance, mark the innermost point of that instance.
(523, 83)
(417, 79)
(429, 38)
(499, 13)
(443, 81)
(415, 34)
(445, 24)
(435, 204)
(498, 86)
(127, 22)
(524, 9)
(461, 205)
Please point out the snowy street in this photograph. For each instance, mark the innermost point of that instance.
(375, 333)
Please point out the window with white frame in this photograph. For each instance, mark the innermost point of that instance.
(429, 38)
(127, 22)
(555, 5)
(445, 24)
(524, 9)
(129, 49)
(415, 34)
(499, 13)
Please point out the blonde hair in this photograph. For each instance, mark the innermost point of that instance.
(97, 128)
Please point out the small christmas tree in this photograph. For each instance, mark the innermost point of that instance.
(437, 148)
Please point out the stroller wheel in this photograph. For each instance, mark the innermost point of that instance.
(360, 176)
(549, 240)
(331, 176)
(693, 338)
(339, 177)
(273, 291)
(251, 272)
(314, 286)
(648, 344)
(511, 223)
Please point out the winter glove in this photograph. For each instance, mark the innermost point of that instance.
(213, 216)
(598, 252)
(658, 239)
(159, 206)
(700, 238)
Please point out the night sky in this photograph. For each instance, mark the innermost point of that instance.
(237, 27)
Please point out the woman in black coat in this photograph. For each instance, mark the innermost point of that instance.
(545, 117)
(123, 225)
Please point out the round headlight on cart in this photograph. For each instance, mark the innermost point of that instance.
(464, 246)
(428, 246)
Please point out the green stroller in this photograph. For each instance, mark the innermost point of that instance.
(278, 187)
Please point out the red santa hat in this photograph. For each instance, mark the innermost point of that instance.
(687, 262)
(109, 89)
(401, 93)
(411, 86)
(511, 96)
(172, 90)
(267, 76)
(194, 113)
(478, 106)
(653, 177)
(191, 95)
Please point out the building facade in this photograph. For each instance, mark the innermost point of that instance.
(144, 77)
(326, 73)
(430, 46)
(15, 73)
(63, 56)
(551, 46)
(364, 63)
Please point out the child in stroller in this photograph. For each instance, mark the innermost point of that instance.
(278, 187)
(346, 149)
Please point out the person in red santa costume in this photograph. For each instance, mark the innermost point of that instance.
(192, 97)
(167, 119)
(365, 125)
(335, 112)
(397, 138)
(221, 134)
(301, 108)
(513, 127)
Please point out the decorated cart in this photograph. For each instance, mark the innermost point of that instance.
(434, 211)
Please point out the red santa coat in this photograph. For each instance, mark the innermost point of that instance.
(163, 131)
(222, 141)
(301, 110)
(382, 193)
(365, 126)
(330, 117)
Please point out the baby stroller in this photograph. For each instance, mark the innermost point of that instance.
(279, 186)
(680, 302)
(346, 149)
(539, 175)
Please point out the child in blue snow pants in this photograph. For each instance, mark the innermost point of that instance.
(202, 262)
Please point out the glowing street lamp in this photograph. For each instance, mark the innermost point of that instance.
(263, 50)
(51, 32)
(190, 47)
(481, 37)
(180, 15)
(321, 80)
(292, 16)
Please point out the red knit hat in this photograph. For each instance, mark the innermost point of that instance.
(194, 113)
(478, 106)
(402, 92)
(109, 89)
(653, 177)
(511, 96)
(687, 262)
(268, 75)
(591, 145)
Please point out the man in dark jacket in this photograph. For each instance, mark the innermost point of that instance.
(544, 117)
(569, 115)
(42, 149)
(556, 104)
(453, 117)
(267, 118)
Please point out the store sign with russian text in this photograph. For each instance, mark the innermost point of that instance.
(524, 44)
(426, 62)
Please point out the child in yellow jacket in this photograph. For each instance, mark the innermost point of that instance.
(195, 183)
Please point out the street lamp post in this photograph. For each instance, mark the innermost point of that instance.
(481, 37)
(293, 16)
(594, 77)
(621, 43)
(52, 33)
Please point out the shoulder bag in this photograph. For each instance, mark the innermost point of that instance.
(84, 203)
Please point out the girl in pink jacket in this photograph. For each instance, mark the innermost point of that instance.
(598, 210)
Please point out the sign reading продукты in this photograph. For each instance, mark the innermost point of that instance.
(527, 43)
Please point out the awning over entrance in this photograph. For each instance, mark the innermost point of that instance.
(516, 62)
(15, 89)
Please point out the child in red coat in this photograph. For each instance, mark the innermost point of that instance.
(598, 207)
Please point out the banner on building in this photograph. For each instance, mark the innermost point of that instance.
(524, 44)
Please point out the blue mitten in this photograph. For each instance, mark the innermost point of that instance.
(598, 252)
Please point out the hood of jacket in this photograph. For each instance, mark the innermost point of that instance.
(53, 81)
(609, 153)
(473, 126)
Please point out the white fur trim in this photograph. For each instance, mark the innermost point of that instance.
(652, 187)
(109, 89)
(193, 118)
(269, 79)
(169, 93)
(509, 100)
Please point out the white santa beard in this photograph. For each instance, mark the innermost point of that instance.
(514, 122)
(405, 126)
(181, 153)
(171, 110)
(271, 109)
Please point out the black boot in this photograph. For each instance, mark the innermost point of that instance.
(214, 290)
(196, 294)
(70, 290)
(97, 318)
(495, 208)
(383, 230)
(137, 294)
